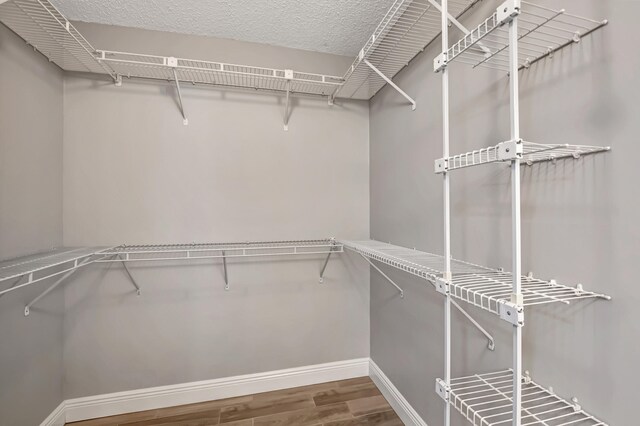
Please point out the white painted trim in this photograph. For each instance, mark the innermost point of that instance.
(401, 406)
(57, 416)
(208, 390)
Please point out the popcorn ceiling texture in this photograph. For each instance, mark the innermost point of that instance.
(332, 26)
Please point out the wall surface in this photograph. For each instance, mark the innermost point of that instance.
(30, 221)
(134, 174)
(579, 217)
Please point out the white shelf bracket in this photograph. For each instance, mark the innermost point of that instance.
(400, 290)
(442, 389)
(288, 74)
(391, 83)
(173, 62)
(224, 266)
(118, 80)
(133, 281)
(77, 265)
(326, 261)
(492, 343)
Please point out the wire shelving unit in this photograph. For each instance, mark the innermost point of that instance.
(27, 270)
(542, 31)
(149, 253)
(515, 36)
(405, 30)
(529, 152)
(486, 400)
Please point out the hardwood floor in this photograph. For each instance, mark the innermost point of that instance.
(354, 402)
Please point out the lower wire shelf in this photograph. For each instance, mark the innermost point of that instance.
(486, 400)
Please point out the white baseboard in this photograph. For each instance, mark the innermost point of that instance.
(189, 393)
(401, 406)
(57, 417)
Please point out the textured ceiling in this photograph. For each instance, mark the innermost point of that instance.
(332, 26)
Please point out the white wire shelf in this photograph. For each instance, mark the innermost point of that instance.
(147, 253)
(486, 288)
(542, 32)
(486, 400)
(27, 270)
(41, 25)
(218, 73)
(529, 152)
(405, 30)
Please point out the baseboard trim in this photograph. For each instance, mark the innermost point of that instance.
(57, 417)
(189, 393)
(401, 406)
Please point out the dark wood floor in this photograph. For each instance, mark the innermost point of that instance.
(351, 402)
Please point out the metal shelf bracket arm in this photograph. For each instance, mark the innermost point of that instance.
(457, 23)
(224, 266)
(492, 343)
(76, 265)
(400, 290)
(391, 83)
(133, 281)
(326, 261)
(288, 74)
(173, 62)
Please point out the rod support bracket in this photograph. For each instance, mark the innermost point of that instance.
(507, 11)
(442, 286)
(442, 389)
(440, 62)
(441, 165)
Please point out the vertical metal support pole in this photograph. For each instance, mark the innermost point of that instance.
(515, 217)
(447, 209)
(226, 277)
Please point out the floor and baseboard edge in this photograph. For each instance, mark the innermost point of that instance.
(189, 393)
(400, 405)
(57, 416)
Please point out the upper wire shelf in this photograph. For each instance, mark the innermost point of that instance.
(486, 288)
(218, 73)
(529, 152)
(486, 400)
(145, 253)
(41, 25)
(405, 30)
(27, 270)
(542, 31)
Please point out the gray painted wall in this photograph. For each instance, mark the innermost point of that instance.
(134, 174)
(579, 217)
(30, 221)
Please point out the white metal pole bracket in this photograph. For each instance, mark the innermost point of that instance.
(441, 165)
(440, 62)
(442, 389)
(507, 11)
(510, 150)
(442, 286)
(391, 83)
(512, 313)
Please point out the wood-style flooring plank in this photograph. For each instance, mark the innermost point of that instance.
(346, 393)
(264, 405)
(371, 405)
(306, 417)
(387, 418)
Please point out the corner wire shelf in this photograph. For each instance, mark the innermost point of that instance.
(27, 270)
(171, 252)
(486, 400)
(407, 28)
(42, 26)
(542, 32)
(530, 153)
(217, 73)
(487, 288)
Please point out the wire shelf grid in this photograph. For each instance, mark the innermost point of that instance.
(146, 253)
(27, 270)
(484, 287)
(542, 32)
(531, 153)
(486, 400)
(217, 73)
(41, 25)
(407, 28)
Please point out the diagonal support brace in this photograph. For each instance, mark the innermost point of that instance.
(492, 343)
(288, 74)
(77, 265)
(461, 27)
(224, 265)
(391, 83)
(326, 262)
(174, 63)
(133, 281)
(384, 275)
